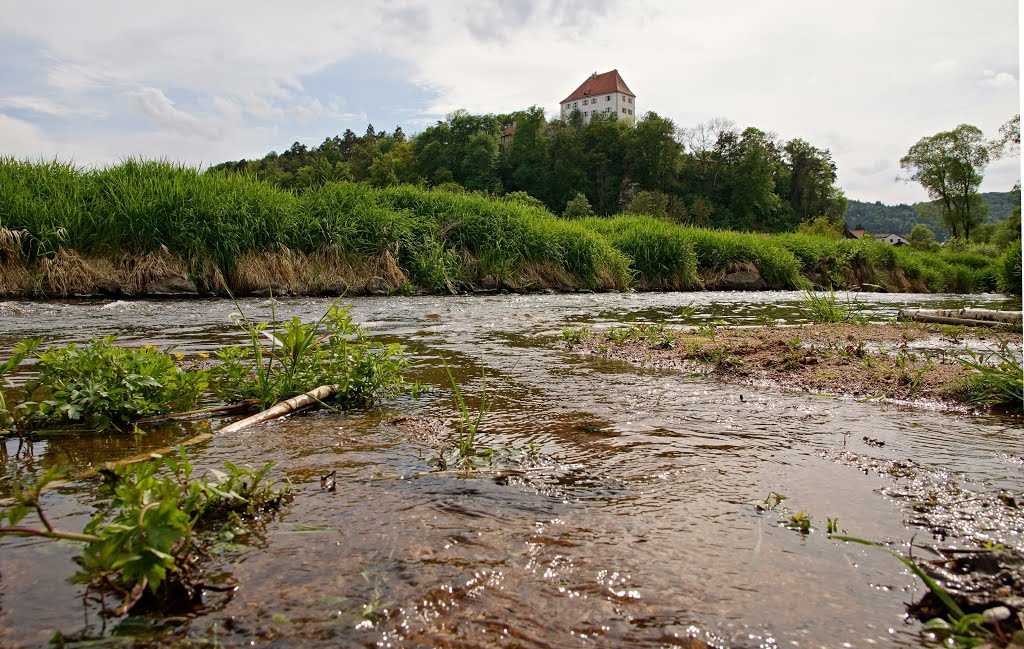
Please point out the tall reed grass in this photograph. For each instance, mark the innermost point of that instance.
(441, 240)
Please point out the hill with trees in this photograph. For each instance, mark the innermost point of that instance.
(714, 174)
(880, 218)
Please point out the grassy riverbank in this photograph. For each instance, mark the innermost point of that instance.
(148, 227)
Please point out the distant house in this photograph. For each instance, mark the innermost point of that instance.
(506, 136)
(893, 239)
(604, 94)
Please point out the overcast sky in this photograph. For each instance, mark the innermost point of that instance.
(204, 82)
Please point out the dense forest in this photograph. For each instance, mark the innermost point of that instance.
(879, 218)
(714, 174)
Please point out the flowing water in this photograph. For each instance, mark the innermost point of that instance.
(642, 533)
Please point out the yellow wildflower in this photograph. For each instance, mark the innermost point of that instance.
(179, 356)
(203, 355)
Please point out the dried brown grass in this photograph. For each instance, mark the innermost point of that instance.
(69, 273)
(15, 279)
(326, 272)
(135, 272)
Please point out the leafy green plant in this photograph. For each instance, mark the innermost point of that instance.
(103, 384)
(998, 379)
(965, 629)
(21, 351)
(822, 308)
(574, 336)
(800, 522)
(288, 358)
(466, 451)
(141, 546)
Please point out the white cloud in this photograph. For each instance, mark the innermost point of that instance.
(23, 140)
(865, 79)
(46, 106)
(997, 79)
(158, 107)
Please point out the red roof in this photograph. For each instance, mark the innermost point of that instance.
(600, 84)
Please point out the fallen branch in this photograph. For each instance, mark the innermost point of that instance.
(423, 474)
(202, 412)
(964, 317)
(49, 534)
(313, 397)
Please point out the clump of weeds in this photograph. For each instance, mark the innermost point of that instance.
(709, 329)
(287, 358)
(998, 378)
(823, 308)
(144, 544)
(575, 336)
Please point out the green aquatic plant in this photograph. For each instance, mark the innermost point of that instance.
(103, 384)
(291, 357)
(823, 308)
(21, 351)
(466, 451)
(998, 378)
(574, 336)
(800, 522)
(142, 543)
(709, 329)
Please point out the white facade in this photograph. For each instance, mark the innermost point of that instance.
(618, 103)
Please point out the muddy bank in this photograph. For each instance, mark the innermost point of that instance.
(284, 271)
(897, 362)
(162, 274)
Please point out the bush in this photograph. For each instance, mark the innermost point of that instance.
(102, 384)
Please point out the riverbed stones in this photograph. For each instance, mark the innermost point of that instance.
(377, 286)
(743, 280)
(173, 286)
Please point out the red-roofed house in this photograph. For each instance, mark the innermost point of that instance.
(603, 93)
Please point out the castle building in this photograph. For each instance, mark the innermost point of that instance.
(604, 93)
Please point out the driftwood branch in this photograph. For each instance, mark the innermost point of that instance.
(311, 398)
(965, 317)
(249, 404)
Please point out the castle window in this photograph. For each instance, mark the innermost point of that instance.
(608, 98)
(630, 111)
(574, 104)
(623, 111)
(584, 113)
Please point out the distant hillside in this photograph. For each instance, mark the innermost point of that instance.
(880, 219)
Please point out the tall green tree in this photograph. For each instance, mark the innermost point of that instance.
(949, 165)
(812, 191)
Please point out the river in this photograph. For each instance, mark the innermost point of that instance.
(642, 533)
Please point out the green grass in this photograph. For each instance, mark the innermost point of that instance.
(442, 240)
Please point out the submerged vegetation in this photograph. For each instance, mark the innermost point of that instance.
(148, 227)
(103, 385)
(143, 544)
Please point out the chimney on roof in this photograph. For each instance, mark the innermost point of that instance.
(593, 75)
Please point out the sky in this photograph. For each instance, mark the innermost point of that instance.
(204, 82)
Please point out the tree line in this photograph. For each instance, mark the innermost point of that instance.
(713, 174)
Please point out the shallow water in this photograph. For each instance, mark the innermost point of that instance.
(641, 534)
